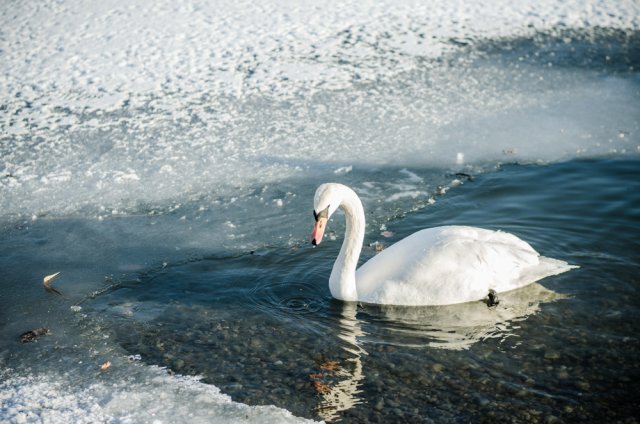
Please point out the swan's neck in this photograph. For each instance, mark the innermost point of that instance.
(342, 282)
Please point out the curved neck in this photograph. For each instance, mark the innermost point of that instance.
(342, 282)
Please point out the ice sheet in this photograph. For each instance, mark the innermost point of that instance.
(109, 106)
(146, 394)
(81, 55)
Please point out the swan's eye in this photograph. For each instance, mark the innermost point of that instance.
(322, 214)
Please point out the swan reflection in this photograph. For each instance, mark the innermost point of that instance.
(339, 384)
(458, 327)
(453, 327)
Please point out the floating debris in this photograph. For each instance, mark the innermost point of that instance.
(464, 176)
(30, 336)
(47, 283)
(492, 298)
(377, 246)
(105, 366)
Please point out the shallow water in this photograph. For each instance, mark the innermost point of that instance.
(262, 325)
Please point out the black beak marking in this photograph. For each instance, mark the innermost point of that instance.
(322, 214)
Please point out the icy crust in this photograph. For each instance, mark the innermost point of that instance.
(146, 395)
(61, 56)
(107, 108)
(219, 151)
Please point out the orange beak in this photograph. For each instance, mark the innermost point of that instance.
(318, 231)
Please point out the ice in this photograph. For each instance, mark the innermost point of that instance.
(459, 117)
(412, 194)
(103, 56)
(148, 394)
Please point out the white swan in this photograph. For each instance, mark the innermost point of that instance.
(435, 266)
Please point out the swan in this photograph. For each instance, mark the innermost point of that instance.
(434, 266)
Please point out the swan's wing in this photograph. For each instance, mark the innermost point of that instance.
(447, 265)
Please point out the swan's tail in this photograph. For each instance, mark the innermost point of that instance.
(545, 268)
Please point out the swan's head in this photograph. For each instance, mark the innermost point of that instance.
(326, 201)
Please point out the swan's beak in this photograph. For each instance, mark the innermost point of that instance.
(318, 231)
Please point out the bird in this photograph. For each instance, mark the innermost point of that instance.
(434, 266)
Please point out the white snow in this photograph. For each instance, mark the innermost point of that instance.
(81, 54)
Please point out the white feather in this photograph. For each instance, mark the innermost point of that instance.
(434, 266)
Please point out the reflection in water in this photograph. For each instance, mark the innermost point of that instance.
(338, 384)
(458, 326)
(453, 327)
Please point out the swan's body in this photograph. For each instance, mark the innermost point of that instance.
(435, 266)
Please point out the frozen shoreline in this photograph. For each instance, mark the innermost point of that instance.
(143, 394)
(108, 106)
(468, 112)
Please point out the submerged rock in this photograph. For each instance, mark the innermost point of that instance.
(30, 336)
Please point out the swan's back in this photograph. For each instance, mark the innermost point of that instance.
(451, 264)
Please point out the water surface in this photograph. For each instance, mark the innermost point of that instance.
(262, 325)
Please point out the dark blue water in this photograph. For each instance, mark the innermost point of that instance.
(262, 326)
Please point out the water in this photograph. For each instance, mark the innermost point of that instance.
(178, 211)
(262, 325)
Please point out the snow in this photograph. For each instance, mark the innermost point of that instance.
(81, 54)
